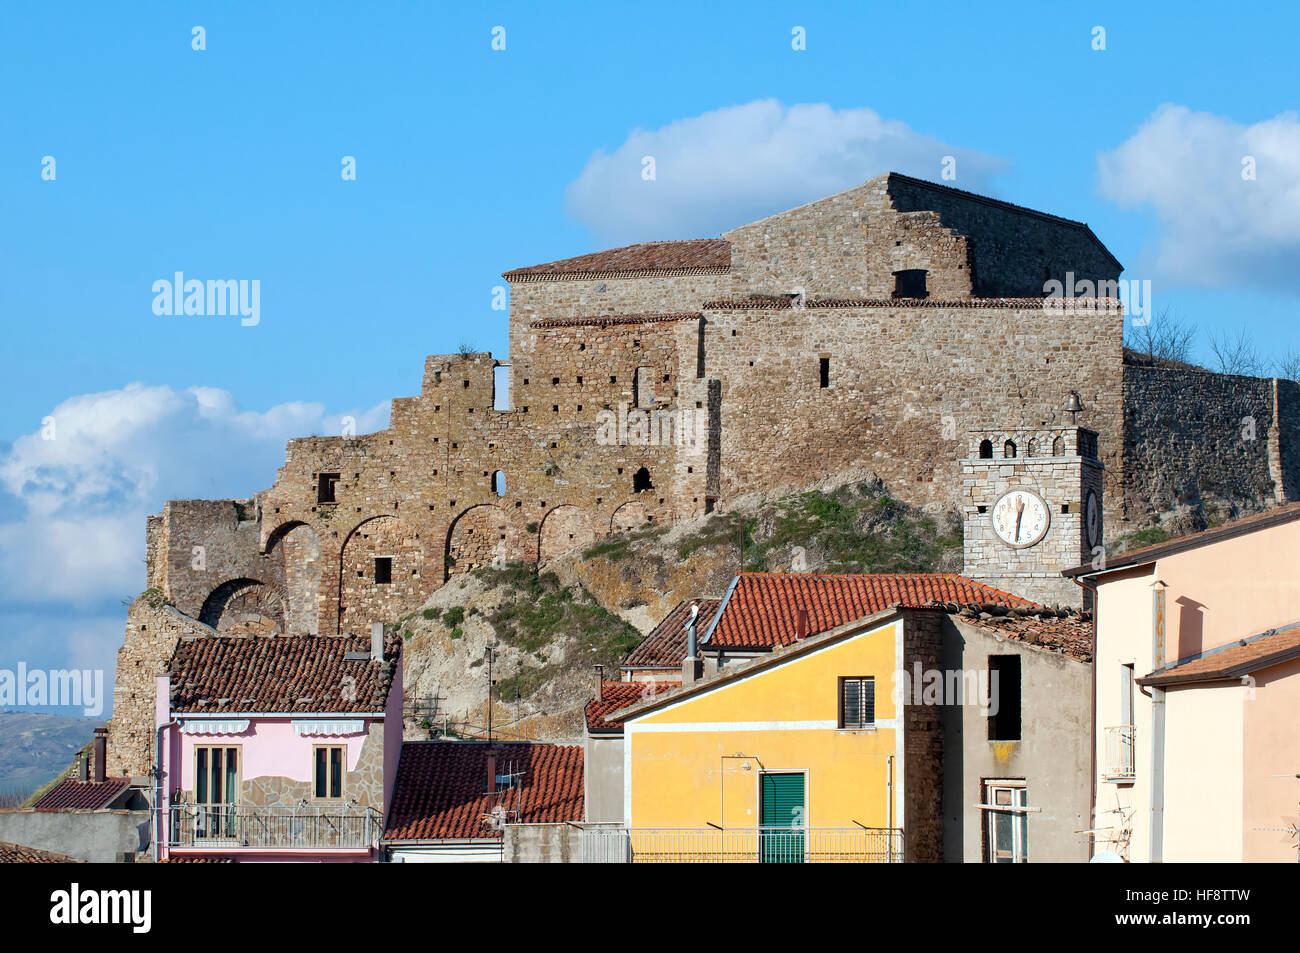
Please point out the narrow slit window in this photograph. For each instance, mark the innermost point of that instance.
(824, 371)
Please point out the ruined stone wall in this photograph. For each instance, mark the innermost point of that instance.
(1193, 437)
(905, 384)
(151, 636)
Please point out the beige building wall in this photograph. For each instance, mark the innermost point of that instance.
(1203, 774)
(1272, 748)
(1123, 638)
(1216, 594)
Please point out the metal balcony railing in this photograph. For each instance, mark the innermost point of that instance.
(231, 825)
(1119, 763)
(621, 845)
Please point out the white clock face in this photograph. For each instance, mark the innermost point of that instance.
(1092, 520)
(1020, 518)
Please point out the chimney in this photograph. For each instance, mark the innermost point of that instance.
(101, 753)
(83, 766)
(801, 624)
(376, 641)
(492, 773)
(600, 683)
(692, 670)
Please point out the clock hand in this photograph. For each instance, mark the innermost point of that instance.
(1020, 510)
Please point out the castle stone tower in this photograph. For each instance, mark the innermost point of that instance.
(1033, 507)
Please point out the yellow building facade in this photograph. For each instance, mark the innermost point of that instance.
(780, 741)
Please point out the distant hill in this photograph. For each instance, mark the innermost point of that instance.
(35, 746)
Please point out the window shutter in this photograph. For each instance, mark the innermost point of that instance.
(869, 701)
(850, 702)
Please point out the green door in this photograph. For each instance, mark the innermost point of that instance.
(781, 838)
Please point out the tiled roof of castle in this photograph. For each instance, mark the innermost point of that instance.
(786, 302)
(694, 256)
(761, 610)
(18, 854)
(1069, 635)
(665, 646)
(1240, 527)
(602, 320)
(441, 788)
(72, 794)
(615, 696)
(286, 673)
(1233, 661)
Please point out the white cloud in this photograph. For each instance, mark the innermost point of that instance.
(734, 165)
(79, 501)
(1215, 228)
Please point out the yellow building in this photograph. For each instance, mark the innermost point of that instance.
(828, 777)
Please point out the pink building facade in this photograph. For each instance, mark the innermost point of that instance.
(278, 749)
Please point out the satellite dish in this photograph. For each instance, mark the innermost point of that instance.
(1106, 857)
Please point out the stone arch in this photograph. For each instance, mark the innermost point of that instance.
(244, 606)
(296, 549)
(986, 449)
(630, 516)
(476, 538)
(564, 528)
(1009, 449)
(363, 598)
(1058, 446)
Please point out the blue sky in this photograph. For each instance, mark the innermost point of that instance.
(225, 163)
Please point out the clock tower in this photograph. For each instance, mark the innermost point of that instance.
(1033, 507)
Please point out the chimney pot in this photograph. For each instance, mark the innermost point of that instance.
(492, 774)
(101, 753)
(600, 683)
(377, 641)
(83, 766)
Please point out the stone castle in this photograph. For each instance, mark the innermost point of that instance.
(897, 327)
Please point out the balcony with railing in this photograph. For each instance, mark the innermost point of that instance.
(1120, 764)
(305, 827)
(861, 845)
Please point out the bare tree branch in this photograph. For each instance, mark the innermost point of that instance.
(1166, 337)
(1237, 355)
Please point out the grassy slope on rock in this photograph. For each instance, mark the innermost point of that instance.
(537, 609)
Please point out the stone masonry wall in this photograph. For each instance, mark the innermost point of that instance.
(1192, 436)
(905, 384)
(151, 637)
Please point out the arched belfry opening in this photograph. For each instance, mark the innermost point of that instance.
(986, 449)
(499, 483)
(641, 481)
(1009, 449)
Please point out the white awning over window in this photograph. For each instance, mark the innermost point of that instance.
(234, 726)
(350, 727)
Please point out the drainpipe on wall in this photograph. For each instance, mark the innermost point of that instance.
(1156, 849)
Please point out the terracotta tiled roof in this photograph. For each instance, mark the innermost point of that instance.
(695, 256)
(287, 673)
(441, 788)
(615, 696)
(665, 646)
(71, 794)
(761, 611)
(786, 303)
(1240, 527)
(602, 320)
(1070, 635)
(1233, 661)
(18, 854)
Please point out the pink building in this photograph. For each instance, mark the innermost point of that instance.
(280, 748)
